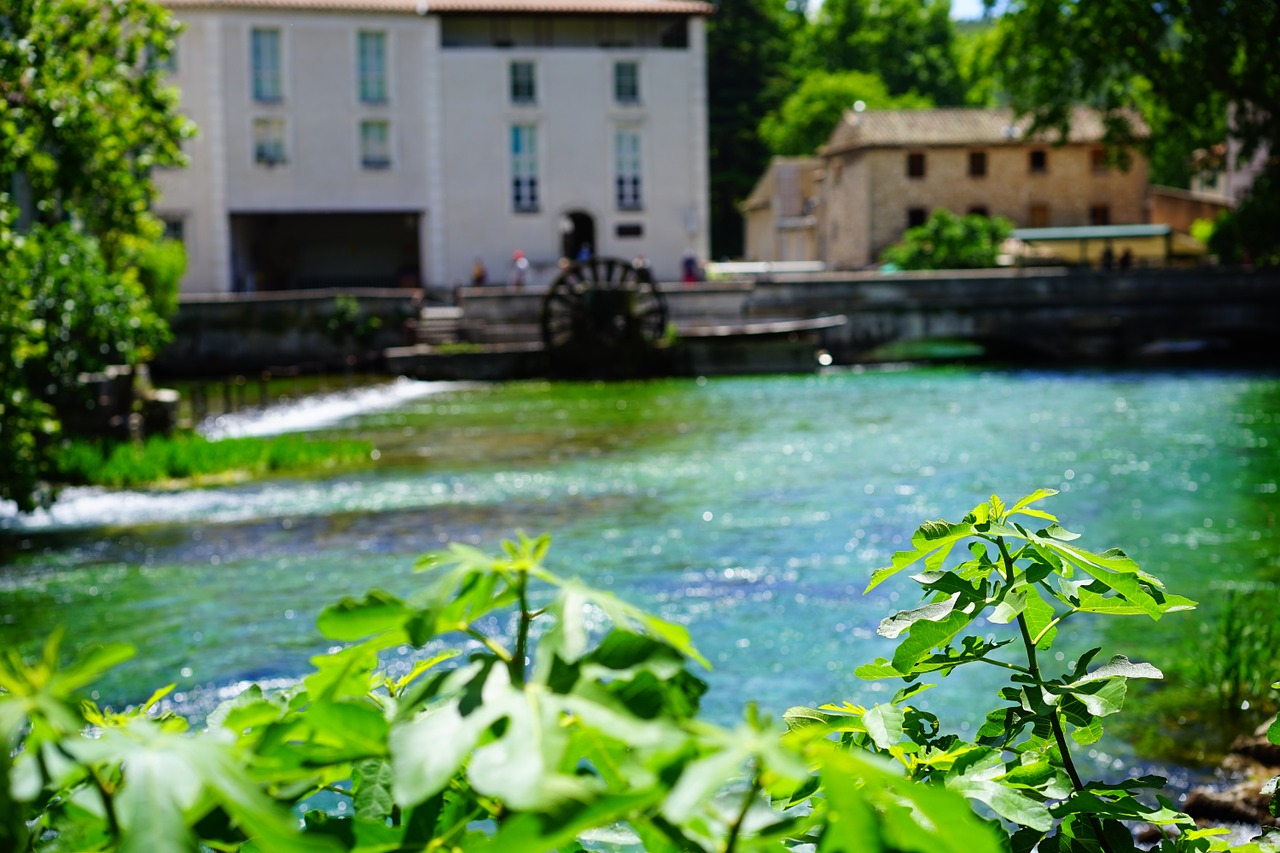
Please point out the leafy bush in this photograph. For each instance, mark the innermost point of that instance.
(950, 242)
(1248, 234)
(590, 732)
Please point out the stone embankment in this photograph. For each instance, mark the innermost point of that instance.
(1252, 761)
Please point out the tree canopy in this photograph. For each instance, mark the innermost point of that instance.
(749, 46)
(85, 115)
(909, 44)
(806, 118)
(1187, 66)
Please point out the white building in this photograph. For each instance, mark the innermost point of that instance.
(382, 142)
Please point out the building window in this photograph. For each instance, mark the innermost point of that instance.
(1099, 214)
(1098, 161)
(1038, 216)
(524, 168)
(375, 144)
(915, 165)
(626, 82)
(175, 228)
(916, 217)
(980, 210)
(523, 87)
(166, 64)
(268, 141)
(268, 85)
(977, 164)
(627, 158)
(629, 229)
(373, 67)
(1038, 161)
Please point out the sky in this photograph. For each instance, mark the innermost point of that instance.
(966, 9)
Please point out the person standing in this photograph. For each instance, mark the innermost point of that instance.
(519, 269)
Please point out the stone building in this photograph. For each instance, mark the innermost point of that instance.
(780, 215)
(396, 142)
(886, 171)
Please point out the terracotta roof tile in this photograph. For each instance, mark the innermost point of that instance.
(953, 126)
(508, 7)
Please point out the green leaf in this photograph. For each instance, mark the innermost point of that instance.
(150, 804)
(89, 667)
(1035, 497)
(1015, 602)
(1010, 803)
(894, 625)
(933, 540)
(925, 636)
(1119, 667)
(371, 783)
(1087, 735)
(354, 619)
(354, 729)
(884, 724)
(1039, 615)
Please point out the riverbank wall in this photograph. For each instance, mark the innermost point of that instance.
(1058, 315)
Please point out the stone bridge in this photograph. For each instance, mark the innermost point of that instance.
(1078, 316)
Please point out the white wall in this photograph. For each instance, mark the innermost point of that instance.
(450, 116)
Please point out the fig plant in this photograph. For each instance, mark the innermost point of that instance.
(1019, 766)
(545, 715)
(569, 719)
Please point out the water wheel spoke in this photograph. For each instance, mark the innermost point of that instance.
(601, 308)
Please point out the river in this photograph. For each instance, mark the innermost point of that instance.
(751, 509)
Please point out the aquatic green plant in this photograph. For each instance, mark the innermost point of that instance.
(188, 456)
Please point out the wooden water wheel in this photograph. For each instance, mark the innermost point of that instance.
(603, 316)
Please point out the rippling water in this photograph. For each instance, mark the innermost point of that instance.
(752, 509)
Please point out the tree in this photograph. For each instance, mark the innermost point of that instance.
(950, 242)
(806, 118)
(1184, 65)
(910, 44)
(749, 45)
(84, 118)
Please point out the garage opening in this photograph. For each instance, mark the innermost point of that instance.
(297, 251)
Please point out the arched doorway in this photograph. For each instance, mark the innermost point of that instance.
(577, 232)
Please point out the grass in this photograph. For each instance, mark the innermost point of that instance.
(187, 458)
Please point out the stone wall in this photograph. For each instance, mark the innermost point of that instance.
(217, 335)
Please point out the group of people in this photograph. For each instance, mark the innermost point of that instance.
(1109, 258)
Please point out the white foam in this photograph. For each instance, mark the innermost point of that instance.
(319, 411)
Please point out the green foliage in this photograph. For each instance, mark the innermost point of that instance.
(84, 118)
(947, 241)
(161, 264)
(1017, 567)
(63, 311)
(1248, 234)
(749, 47)
(517, 745)
(805, 120)
(349, 323)
(161, 459)
(568, 716)
(909, 44)
(1184, 66)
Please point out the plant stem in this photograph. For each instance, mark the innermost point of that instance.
(517, 663)
(736, 829)
(490, 644)
(1033, 664)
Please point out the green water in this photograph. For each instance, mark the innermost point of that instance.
(751, 509)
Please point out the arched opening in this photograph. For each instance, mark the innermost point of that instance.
(577, 233)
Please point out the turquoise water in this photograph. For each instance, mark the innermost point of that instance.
(752, 509)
